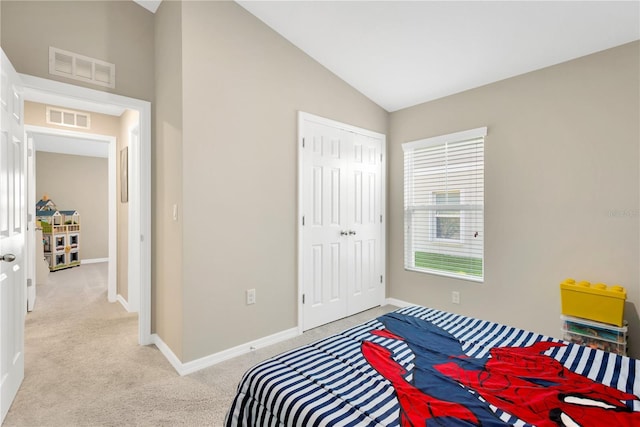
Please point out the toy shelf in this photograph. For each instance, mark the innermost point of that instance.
(60, 235)
(595, 335)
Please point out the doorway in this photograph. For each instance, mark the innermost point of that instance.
(64, 182)
(139, 191)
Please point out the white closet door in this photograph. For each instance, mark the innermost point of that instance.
(364, 223)
(324, 200)
(341, 240)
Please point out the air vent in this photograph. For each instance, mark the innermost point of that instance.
(80, 67)
(69, 118)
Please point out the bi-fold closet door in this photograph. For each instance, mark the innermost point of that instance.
(342, 229)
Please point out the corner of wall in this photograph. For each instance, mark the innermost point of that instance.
(167, 302)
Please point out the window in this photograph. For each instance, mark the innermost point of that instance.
(444, 205)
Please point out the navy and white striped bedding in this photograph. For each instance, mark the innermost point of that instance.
(331, 383)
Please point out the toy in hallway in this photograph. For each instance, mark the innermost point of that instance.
(61, 234)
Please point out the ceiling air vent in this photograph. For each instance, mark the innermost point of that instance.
(80, 67)
(69, 118)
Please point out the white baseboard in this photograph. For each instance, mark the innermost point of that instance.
(123, 302)
(398, 303)
(213, 359)
(93, 260)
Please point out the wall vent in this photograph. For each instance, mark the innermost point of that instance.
(82, 68)
(69, 118)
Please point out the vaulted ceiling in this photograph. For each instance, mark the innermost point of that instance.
(402, 53)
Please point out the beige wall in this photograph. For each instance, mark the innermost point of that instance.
(243, 85)
(562, 155)
(120, 32)
(562, 189)
(167, 296)
(80, 183)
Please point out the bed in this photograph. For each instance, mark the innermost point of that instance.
(423, 367)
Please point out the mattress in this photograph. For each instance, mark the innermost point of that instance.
(421, 366)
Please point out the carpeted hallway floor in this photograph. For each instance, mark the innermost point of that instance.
(83, 366)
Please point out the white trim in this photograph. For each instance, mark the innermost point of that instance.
(213, 359)
(112, 272)
(90, 97)
(133, 206)
(440, 139)
(93, 260)
(398, 303)
(123, 302)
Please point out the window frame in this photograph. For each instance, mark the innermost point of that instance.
(415, 230)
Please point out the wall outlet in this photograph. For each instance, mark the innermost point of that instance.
(455, 297)
(251, 296)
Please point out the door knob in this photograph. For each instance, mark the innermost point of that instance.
(352, 233)
(343, 233)
(8, 257)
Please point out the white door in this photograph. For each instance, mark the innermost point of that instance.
(325, 229)
(341, 232)
(364, 222)
(13, 303)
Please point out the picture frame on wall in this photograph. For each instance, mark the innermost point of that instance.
(124, 175)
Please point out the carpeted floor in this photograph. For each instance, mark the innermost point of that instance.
(83, 366)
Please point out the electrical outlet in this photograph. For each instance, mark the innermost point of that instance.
(455, 297)
(251, 296)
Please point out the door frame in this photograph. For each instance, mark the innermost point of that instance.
(302, 118)
(139, 193)
(32, 131)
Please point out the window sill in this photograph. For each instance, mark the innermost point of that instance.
(445, 274)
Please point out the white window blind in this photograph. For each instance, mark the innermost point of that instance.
(444, 204)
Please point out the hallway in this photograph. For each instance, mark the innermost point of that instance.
(83, 364)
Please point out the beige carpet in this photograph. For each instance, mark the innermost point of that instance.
(83, 366)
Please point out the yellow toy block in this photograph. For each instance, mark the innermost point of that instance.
(597, 302)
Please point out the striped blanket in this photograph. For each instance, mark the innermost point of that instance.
(420, 366)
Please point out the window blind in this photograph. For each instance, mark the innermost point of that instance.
(444, 204)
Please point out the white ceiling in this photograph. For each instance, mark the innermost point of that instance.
(150, 5)
(402, 53)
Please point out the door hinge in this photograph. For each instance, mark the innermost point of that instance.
(380, 219)
(380, 157)
(303, 298)
(381, 278)
(29, 152)
(302, 142)
(303, 220)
